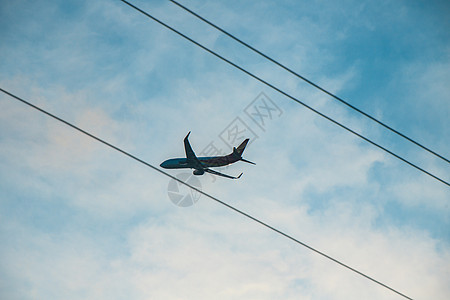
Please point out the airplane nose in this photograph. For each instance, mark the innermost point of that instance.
(163, 164)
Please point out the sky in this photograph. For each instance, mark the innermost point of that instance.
(79, 220)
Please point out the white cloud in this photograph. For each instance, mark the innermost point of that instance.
(82, 221)
(206, 252)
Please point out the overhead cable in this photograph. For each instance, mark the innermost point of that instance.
(310, 82)
(284, 93)
(203, 193)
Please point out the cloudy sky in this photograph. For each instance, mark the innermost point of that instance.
(79, 220)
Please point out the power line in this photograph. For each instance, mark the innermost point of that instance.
(284, 93)
(309, 81)
(203, 193)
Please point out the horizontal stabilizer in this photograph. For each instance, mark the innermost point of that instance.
(247, 161)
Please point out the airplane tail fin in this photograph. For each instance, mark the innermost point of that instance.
(241, 147)
(239, 150)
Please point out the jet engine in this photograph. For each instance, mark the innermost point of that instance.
(198, 172)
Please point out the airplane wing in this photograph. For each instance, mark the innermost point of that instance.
(196, 163)
(221, 174)
(190, 155)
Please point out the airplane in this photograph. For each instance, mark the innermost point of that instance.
(203, 164)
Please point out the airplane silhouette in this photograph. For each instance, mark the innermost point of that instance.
(203, 164)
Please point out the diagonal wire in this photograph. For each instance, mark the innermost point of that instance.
(203, 193)
(284, 93)
(309, 81)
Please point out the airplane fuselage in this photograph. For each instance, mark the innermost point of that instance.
(215, 161)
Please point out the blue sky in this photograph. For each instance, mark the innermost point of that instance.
(79, 220)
